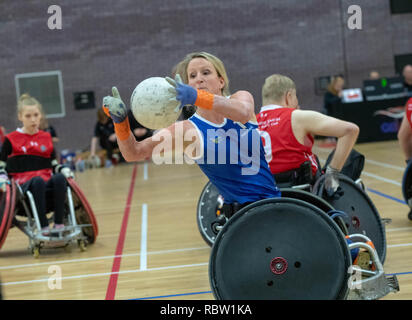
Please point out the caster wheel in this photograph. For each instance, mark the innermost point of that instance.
(36, 252)
(410, 215)
(82, 246)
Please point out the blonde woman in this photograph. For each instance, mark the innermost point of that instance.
(222, 121)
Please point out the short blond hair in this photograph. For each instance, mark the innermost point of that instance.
(181, 68)
(275, 88)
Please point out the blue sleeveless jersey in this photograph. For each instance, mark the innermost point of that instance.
(233, 158)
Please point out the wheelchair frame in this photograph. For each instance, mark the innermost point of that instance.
(32, 228)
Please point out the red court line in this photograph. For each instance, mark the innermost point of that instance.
(111, 289)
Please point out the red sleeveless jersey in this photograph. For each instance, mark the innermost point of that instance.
(30, 156)
(283, 151)
(408, 110)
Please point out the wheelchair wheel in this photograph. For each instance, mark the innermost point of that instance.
(83, 212)
(279, 248)
(317, 202)
(7, 204)
(407, 185)
(363, 215)
(307, 197)
(206, 212)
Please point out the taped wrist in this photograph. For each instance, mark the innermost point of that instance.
(334, 172)
(204, 99)
(122, 129)
(58, 168)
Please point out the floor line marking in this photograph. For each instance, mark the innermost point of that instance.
(111, 288)
(101, 258)
(143, 240)
(82, 276)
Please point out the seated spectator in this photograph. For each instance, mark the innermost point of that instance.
(45, 126)
(407, 79)
(140, 132)
(333, 97)
(374, 75)
(104, 134)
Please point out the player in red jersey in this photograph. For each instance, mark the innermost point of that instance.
(28, 157)
(405, 132)
(288, 132)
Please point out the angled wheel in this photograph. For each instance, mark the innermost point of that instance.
(407, 187)
(7, 205)
(363, 215)
(83, 212)
(206, 212)
(279, 248)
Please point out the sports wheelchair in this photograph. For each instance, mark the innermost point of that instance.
(18, 209)
(407, 188)
(298, 246)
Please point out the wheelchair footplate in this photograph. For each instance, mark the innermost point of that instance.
(368, 280)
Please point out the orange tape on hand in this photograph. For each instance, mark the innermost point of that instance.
(122, 129)
(106, 111)
(204, 100)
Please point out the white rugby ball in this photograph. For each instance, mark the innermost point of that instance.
(151, 104)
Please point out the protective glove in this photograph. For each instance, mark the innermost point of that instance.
(4, 180)
(66, 171)
(332, 183)
(184, 93)
(115, 108)
(188, 95)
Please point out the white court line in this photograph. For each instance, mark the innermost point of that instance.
(386, 165)
(377, 163)
(145, 171)
(399, 245)
(143, 239)
(107, 273)
(371, 175)
(99, 258)
(398, 229)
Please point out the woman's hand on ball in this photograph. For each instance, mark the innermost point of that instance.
(185, 94)
(115, 106)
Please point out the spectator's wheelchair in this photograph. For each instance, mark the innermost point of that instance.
(18, 209)
(300, 246)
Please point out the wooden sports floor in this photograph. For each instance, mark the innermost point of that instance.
(149, 246)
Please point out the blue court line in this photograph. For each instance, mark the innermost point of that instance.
(386, 196)
(174, 295)
(397, 274)
(204, 292)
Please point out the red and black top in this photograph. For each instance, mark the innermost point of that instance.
(27, 156)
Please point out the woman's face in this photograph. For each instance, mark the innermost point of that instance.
(201, 74)
(30, 116)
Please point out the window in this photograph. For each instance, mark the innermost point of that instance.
(401, 6)
(47, 87)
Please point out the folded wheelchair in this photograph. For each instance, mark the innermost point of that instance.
(302, 245)
(18, 209)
